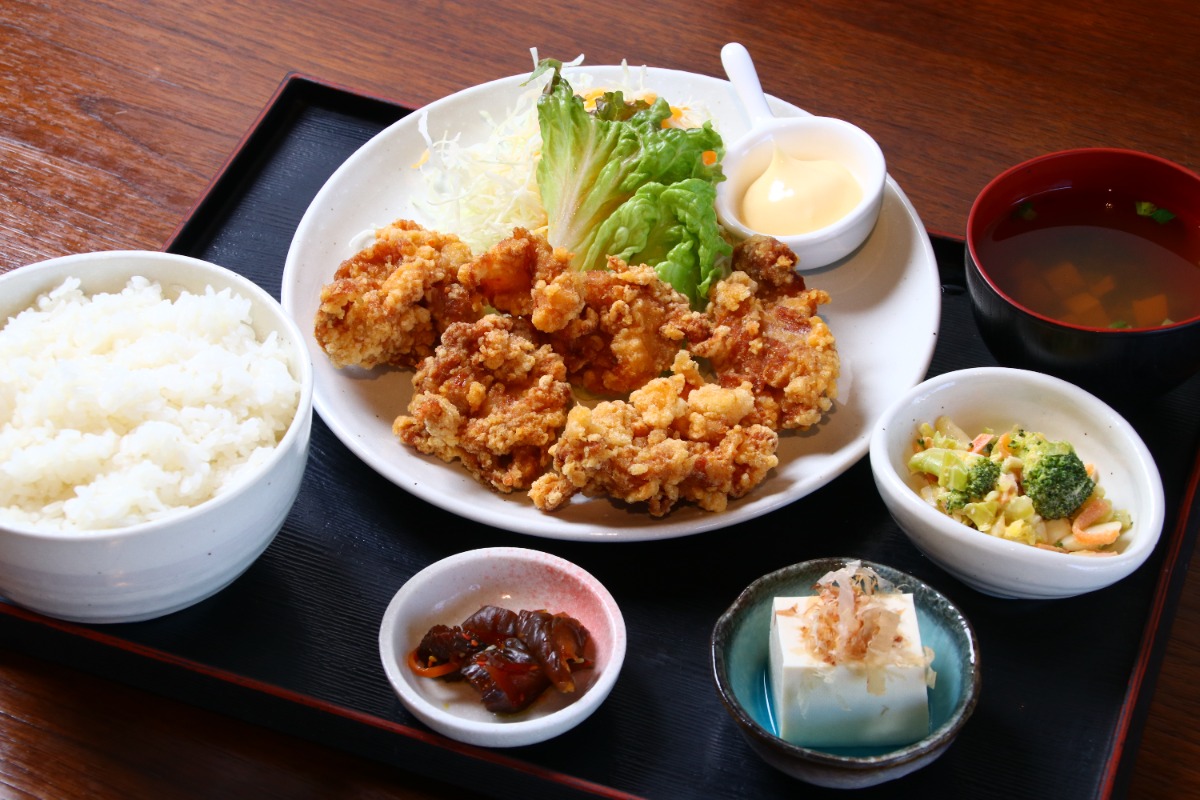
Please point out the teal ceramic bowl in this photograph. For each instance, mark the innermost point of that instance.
(740, 663)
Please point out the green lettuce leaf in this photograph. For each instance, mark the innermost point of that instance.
(672, 229)
(592, 165)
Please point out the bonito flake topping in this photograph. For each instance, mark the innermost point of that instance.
(849, 625)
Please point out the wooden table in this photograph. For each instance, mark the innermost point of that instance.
(116, 115)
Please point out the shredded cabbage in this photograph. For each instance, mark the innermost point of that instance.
(481, 191)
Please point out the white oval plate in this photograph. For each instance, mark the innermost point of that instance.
(885, 310)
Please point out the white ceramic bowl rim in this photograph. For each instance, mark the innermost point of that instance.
(245, 287)
(864, 143)
(1151, 518)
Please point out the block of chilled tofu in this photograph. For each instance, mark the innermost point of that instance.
(831, 698)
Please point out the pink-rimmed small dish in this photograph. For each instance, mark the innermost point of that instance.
(450, 590)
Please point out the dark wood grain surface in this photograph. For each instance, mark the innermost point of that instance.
(117, 115)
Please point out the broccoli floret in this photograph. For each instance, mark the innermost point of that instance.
(1055, 479)
(982, 475)
(966, 476)
(1022, 441)
(953, 500)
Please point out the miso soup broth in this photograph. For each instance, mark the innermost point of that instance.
(1096, 258)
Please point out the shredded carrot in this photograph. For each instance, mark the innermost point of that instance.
(1091, 511)
(709, 157)
(432, 670)
(981, 441)
(1001, 447)
(1101, 534)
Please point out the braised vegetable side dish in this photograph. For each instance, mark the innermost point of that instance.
(509, 657)
(1019, 485)
(623, 350)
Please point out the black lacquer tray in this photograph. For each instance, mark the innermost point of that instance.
(292, 643)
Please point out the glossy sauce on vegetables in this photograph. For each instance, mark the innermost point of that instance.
(509, 657)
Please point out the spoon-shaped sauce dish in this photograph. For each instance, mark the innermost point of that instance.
(814, 183)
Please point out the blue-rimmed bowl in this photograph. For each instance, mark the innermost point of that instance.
(740, 660)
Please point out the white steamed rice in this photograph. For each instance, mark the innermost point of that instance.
(121, 408)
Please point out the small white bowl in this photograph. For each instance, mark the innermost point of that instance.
(999, 398)
(450, 590)
(809, 138)
(154, 568)
(805, 138)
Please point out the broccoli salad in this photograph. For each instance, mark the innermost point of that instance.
(1019, 485)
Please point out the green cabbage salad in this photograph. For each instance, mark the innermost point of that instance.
(1020, 485)
(618, 182)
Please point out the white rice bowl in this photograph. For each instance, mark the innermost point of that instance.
(130, 406)
(154, 430)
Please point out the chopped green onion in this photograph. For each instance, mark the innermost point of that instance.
(1148, 209)
(1026, 211)
(1119, 323)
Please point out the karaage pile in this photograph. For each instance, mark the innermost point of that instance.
(499, 340)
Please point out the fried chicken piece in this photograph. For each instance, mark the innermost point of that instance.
(388, 303)
(766, 332)
(524, 276)
(615, 329)
(490, 398)
(676, 438)
(770, 263)
(625, 331)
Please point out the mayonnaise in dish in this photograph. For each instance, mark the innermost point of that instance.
(795, 195)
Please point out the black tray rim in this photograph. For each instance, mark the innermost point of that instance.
(48, 633)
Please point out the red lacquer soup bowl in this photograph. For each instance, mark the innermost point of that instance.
(1085, 264)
